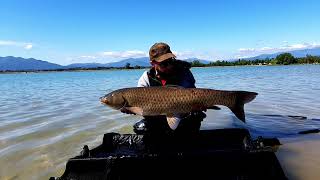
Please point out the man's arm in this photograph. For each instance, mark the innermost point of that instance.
(144, 80)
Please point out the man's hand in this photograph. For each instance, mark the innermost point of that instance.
(198, 114)
(199, 108)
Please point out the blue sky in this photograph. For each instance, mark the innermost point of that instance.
(65, 32)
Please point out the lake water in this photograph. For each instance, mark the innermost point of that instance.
(46, 118)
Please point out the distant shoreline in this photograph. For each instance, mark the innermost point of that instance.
(112, 69)
(68, 70)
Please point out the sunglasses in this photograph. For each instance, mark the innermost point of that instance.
(164, 63)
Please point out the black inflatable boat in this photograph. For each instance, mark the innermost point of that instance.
(211, 154)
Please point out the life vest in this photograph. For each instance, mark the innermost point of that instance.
(183, 77)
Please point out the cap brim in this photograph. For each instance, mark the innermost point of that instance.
(164, 57)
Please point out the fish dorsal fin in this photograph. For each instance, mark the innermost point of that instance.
(173, 122)
(173, 86)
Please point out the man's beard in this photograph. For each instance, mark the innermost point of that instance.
(166, 75)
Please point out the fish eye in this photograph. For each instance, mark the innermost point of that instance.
(112, 95)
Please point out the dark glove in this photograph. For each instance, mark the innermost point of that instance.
(198, 114)
(202, 108)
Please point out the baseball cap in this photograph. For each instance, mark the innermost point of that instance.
(160, 52)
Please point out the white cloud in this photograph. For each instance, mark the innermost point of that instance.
(28, 46)
(107, 56)
(89, 57)
(24, 45)
(195, 54)
(301, 46)
(184, 54)
(246, 50)
(7, 43)
(249, 52)
(124, 54)
(266, 48)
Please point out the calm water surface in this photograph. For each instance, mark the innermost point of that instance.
(46, 118)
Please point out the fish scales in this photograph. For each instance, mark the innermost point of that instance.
(151, 101)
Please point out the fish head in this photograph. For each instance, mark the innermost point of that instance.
(114, 99)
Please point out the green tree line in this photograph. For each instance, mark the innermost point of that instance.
(281, 59)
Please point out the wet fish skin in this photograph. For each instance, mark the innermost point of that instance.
(152, 101)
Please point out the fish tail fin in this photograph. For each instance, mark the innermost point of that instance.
(243, 97)
(239, 112)
(248, 96)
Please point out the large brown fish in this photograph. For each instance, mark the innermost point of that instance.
(170, 101)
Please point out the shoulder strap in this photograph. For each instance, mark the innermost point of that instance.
(153, 80)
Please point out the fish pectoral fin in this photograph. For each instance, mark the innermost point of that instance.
(136, 110)
(173, 122)
(214, 107)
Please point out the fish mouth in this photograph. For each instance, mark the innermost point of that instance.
(103, 100)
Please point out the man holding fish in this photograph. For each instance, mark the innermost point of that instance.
(167, 71)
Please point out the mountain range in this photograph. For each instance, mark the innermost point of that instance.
(11, 63)
(17, 64)
(144, 61)
(21, 64)
(295, 53)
